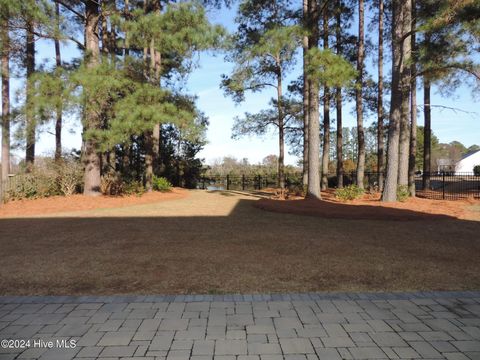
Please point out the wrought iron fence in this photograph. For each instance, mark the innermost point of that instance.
(246, 182)
(448, 186)
(438, 185)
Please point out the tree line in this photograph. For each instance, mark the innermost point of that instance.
(137, 122)
(125, 87)
(431, 42)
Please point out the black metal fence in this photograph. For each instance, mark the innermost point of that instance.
(439, 185)
(246, 182)
(448, 186)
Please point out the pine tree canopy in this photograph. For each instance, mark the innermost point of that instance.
(329, 69)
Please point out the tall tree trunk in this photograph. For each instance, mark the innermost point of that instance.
(380, 115)
(359, 94)
(59, 107)
(149, 160)
(305, 99)
(281, 130)
(92, 158)
(126, 52)
(391, 180)
(155, 71)
(338, 100)
(149, 152)
(404, 146)
(155, 77)
(5, 59)
(427, 141)
(157, 130)
(313, 190)
(326, 113)
(148, 74)
(340, 170)
(413, 103)
(29, 113)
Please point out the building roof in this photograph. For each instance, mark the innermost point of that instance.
(469, 154)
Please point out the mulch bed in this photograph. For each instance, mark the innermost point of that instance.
(60, 204)
(369, 207)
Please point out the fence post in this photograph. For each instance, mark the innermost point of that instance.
(228, 182)
(243, 181)
(259, 182)
(443, 185)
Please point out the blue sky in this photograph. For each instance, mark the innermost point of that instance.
(221, 110)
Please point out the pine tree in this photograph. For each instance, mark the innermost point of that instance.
(59, 107)
(5, 72)
(305, 95)
(404, 141)
(446, 51)
(399, 81)
(380, 109)
(30, 128)
(413, 104)
(326, 109)
(91, 117)
(313, 189)
(265, 46)
(359, 94)
(338, 97)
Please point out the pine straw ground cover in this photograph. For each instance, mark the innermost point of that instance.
(221, 243)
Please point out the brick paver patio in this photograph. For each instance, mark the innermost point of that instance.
(433, 325)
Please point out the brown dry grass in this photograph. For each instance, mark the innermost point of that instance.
(220, 243)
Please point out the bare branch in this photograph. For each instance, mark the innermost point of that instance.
(68, 7)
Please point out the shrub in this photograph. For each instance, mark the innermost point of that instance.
(41, 182)
(111, 185)
(133, 187)
(402, 193)
(70, 176)
(161, 184)
(350, 192)
(476, 170)
(47, 178)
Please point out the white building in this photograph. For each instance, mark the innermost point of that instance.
(466, 164)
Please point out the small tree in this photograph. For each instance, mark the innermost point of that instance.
(476, 170)
(264, 50)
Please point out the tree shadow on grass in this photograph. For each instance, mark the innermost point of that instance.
(246, 251)
(337, 210)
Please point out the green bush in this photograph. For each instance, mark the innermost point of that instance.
(161, 184)
(27, 186)
(476, 170)
(403, 193)
(133, 187)
(350, 192)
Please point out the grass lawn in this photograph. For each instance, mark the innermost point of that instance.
(220, 243)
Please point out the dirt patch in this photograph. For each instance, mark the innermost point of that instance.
(61, 204)
(369, 207)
